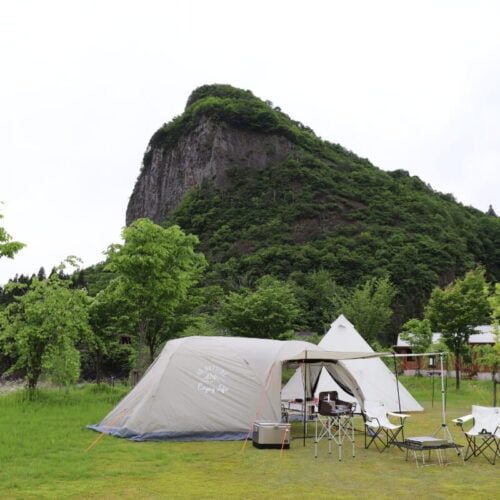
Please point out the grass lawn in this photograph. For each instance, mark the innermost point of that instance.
(44, 442)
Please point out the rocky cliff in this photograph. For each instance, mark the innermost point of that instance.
(204, 153)
(291, 205)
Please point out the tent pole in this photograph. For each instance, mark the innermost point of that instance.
(446, 432)
(443, 397)
(397, 380)
(304, 402)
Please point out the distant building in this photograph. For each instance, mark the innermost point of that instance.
(485, 335)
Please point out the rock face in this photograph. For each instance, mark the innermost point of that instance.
(203, 154)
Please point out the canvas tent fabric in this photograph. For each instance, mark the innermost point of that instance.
(312, 364)
(375, 381)
(205, 388)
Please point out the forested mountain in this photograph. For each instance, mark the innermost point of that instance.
(265, 195)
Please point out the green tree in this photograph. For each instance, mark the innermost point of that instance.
(457, 310)
(494, 301)
(109, 320)
(270, 311)
(317, 293)
(155, 269)
(418, 334)
(368, 307)
(8, 247)
(43, 328)
(488, 356)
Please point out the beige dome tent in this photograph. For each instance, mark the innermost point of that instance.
(215, 388)
(204, 388)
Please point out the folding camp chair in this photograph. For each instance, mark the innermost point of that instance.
(483, 438)
(380, 430)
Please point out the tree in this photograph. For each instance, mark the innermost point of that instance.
(494, 301)
(42, 328)
(488, 356)
(457, 310)
(114, 350)
(317, 293)
(268, 312)
(368, 307)
(419, 335)
(8, 247)
(155, 269)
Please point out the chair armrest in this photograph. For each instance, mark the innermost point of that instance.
(400, 415)
(372, 421)
(462, 420)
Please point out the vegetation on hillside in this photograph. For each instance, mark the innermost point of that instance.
(295, 244)
(325, 209)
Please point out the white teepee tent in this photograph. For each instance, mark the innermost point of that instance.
(377, 383)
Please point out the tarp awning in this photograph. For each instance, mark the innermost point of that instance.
(348, 349)
(319, 356)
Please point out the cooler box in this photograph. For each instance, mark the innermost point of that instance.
(271, 435)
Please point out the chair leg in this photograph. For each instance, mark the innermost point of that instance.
(488, 445)
(469, 452)
(371, 435)
(393, 436)
(377, 436)
(482, 445)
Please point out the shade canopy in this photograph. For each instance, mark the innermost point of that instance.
(324, 356)
(346, 346)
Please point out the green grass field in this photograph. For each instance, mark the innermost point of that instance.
(44, 443)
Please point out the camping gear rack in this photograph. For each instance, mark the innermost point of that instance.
(335, 421)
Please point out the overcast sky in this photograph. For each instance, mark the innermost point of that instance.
(411, 85)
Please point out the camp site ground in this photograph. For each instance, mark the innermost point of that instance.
(44, 443)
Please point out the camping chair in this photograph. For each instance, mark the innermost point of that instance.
(380, 430)
(483, 438)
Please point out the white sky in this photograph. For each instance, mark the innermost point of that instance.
(411, 85)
